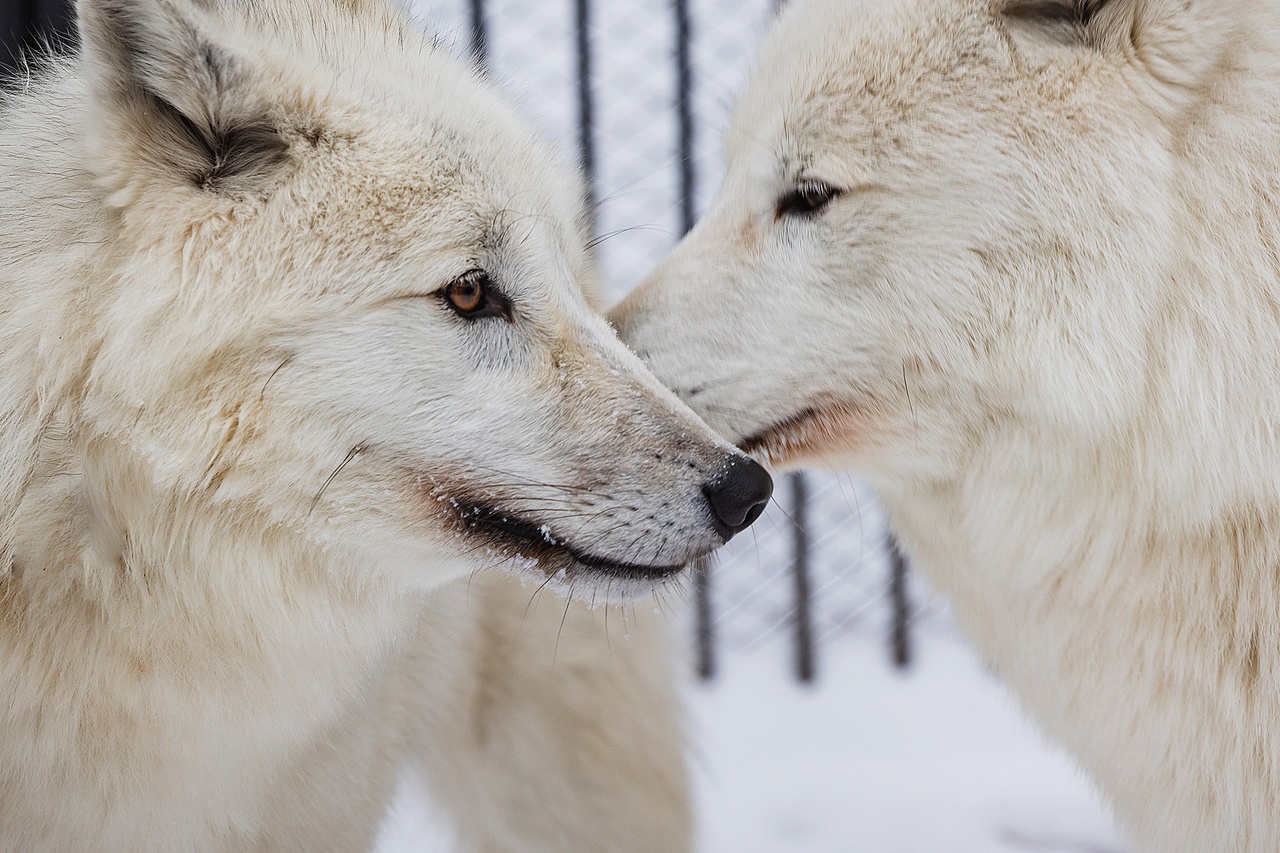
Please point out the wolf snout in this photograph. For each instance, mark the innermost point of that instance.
(738, 496)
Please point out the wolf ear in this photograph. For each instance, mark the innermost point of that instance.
(1062, 19)
(1177, 41)
(173, 97)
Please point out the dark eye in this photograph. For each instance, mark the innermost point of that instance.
(808, 198)
(472, 295)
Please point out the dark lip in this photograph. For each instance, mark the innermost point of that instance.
(512, 532)
(760, 440)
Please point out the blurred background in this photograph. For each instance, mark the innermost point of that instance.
(834, 706)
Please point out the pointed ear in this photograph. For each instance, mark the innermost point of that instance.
(173, 97)
(1176, 41)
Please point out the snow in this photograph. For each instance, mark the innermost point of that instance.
(938, 759)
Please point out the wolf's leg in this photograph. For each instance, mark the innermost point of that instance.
(540, 733)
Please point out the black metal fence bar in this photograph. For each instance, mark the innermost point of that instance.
(586, 99)
(806, 668)
(703, 614)
(900, 606)
(684, 111)
(704, 624)
(479, 31)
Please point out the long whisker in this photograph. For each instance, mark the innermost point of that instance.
(555, 654)
(351, 454)
(620, 231)
(263, 392)
(748, 375)
(529, 482)
(534, 597)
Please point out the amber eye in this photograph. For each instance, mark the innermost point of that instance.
(466, 293)
(808, 198)
(472, 295)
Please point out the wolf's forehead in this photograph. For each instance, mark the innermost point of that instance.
(405, 142)
(492, 162)
(409, 173)
(866, 76)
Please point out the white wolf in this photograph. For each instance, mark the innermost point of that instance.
(1018, 262)
(291, 337)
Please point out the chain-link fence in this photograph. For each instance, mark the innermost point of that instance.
(637, 92)
(829, 553)
(607, 80)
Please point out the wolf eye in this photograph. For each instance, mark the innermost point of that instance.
(808, 198)
(472, 295)
(466, 294)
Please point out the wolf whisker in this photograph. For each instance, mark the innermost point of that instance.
(351, 455)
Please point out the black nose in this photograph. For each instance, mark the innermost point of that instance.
(738, 496)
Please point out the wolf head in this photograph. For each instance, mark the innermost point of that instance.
(292, 267)
(941, 217)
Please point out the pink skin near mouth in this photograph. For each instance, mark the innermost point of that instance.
(810, 433)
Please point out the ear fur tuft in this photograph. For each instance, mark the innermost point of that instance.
(1065, 21)
(1072, 12)
(172, 93)
(1177, 42)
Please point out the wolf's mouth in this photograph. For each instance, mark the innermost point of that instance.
(781, 438)
(528, 539)
(809, 432)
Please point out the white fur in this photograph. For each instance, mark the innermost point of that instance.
(1042, 318)
(242, 432)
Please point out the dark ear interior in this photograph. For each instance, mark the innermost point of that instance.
(1058, 19)
(183, 100)
(1076, 12)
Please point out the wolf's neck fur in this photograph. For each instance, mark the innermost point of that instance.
(177, 639)
(184, 641)
(1119, 604)
(1126, 583)
(236, 646)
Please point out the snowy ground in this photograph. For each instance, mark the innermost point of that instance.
(938, 760)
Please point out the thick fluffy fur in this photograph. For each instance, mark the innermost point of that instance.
(252, 457)
(1042, 315)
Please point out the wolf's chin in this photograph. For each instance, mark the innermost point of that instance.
(529, 543)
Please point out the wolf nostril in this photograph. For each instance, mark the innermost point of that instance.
(738, 496)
